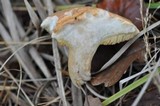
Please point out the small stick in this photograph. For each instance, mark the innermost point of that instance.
(58, 71)
(24, 42)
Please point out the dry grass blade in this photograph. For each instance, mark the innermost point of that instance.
(47, 57)
(22, 43)
(76, 92)
(95, 93)
(23, 59)
(58, 72)
(136, 101)
(40, 9)
(23, 92)
(20, 102)
(34, 18)
(52, 101)
(9, 15)
(144, 70)
(39, 92)
(30, 80)
(7, 88)
(19, 27)
(35, 55)
(156, 80)
(22, 56)
(50, 6)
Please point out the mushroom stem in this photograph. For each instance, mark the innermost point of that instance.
(80, 64)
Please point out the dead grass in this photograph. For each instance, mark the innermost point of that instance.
(31, 74)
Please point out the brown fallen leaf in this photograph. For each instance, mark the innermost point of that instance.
(91, 101)
(126, 8)
(113, 74)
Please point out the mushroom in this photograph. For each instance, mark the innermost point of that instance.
(83, 30)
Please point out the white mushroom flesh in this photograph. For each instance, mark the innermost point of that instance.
(84, 37)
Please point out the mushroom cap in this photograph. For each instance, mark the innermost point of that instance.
(56, 22)
(82, 30)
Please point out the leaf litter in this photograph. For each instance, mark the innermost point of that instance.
(37, 69)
